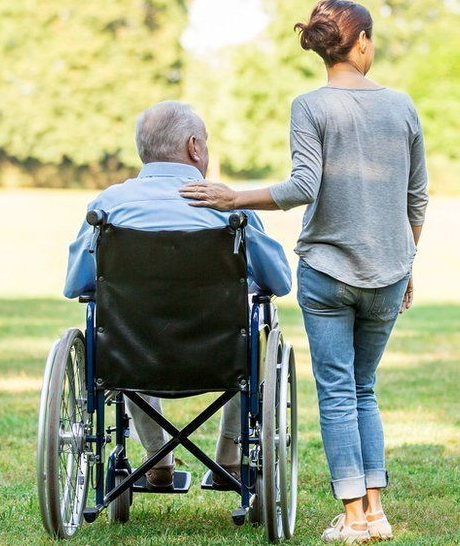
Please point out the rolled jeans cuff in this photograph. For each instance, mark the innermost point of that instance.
(377, 478)
(349, 488)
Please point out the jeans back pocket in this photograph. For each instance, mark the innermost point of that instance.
(388, 300)
(317, 290)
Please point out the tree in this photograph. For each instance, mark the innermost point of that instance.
(264, 77)
(418, 47)
(75, 74)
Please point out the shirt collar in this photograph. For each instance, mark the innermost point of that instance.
(176, 170)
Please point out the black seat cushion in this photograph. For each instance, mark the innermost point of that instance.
(171, 311)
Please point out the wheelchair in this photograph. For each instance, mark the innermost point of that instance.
(170, 317)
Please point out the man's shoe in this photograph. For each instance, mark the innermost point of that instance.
(339, 532)
(379, 528)
(233, 469)
(160, 477)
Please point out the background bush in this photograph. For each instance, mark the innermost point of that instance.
(74, 75)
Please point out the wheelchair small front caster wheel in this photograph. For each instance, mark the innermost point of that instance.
(118, 510)
(256, 510)
(239, 516)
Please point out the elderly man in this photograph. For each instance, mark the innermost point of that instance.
(171, 141)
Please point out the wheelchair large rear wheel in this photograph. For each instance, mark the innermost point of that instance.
(271, 499)
(287, 447)
(63, 453)
(279, 439)
(41, 444)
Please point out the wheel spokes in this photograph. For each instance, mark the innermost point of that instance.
(63, 461)
(73, 460)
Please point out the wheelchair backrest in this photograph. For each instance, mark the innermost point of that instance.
(171, 311)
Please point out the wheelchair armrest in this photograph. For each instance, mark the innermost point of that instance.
(86, 298)
(262, 296)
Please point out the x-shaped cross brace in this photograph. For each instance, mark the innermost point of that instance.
(177, 437)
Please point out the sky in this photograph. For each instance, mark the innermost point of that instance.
(217, 23)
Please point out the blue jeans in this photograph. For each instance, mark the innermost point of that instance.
(348, 329)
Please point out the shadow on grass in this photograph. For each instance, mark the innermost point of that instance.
(431, 386)
(423, 493)
(424, 476)
(427, 328)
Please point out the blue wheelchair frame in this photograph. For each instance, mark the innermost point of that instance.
(118, 463)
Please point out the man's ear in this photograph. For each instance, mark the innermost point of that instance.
(191, 148)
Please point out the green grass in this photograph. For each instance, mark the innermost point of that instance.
(419, 395)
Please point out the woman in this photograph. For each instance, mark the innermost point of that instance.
(358, 163)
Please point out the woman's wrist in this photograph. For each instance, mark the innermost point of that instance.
(237, 202)
(254, 199)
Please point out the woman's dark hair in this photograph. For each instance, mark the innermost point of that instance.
(333, 29)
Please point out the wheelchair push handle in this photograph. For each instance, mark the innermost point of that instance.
(96, 217)
(237, 220)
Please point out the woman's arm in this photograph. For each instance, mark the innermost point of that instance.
(300, 189)
(408, 299)
(416, 232)
(221, 197)
(417, 200)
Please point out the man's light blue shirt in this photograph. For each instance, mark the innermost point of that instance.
(152, 202)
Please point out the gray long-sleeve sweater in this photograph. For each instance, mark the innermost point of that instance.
(358, 162)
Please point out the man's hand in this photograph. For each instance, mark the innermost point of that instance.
(408, 296)
(212, 195)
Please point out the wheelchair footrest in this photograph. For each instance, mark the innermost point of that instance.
(181, 484)
(90, 514)
(207, 483)
(239, 516)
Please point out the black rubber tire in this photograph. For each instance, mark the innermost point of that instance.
(256, 511)
(42, 478)
(74, 340)
(118, 509)
(288, 461)
(272, 517)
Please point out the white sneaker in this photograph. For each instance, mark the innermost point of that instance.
(380, 528)
(339, 532)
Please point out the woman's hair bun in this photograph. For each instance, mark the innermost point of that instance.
(320, 33)
(333, 29)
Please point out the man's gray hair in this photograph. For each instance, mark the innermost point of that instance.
(163, 130)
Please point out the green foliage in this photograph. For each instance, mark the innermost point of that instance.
(75, 74)
(258, 81)
(418, 51)
(268, 74)
(418, 398)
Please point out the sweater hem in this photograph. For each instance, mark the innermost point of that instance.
(353, 281)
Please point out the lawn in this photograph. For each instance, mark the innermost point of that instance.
(418, 387)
